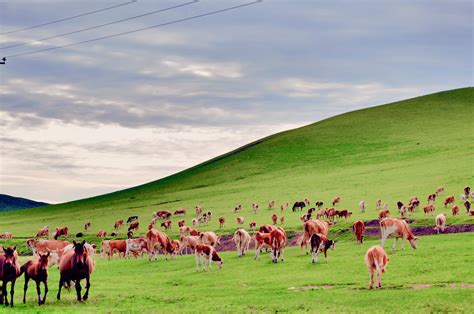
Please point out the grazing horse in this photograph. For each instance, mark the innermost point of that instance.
(299, 205)
(38, 271)
(64, 231)
(9, 271)
(75, 265)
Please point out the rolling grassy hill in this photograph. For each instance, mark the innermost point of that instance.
(391, 152)
(8, 202)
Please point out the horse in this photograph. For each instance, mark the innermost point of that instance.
(76, 265)
(9, 271)
(38, 271)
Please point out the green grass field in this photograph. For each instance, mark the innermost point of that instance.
(390, 152)
(437, 277)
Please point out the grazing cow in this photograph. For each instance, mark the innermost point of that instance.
(432, 197)
(176, 245)
(266, 228)
(278, 241)
(221, 222)
(399, 228)
(455, 210)
(376, 260)
(282, 207)
(118, 224)
(202, 220)
(414, 202)
(384, 213)
(358, 227)
(362, 206)
(6, 235)
(320, 243)
(38, 271)
(271, 204)
(44, 246)
(319, 204)
(104, 248)
(60, 232)
(255, 208)
(252, 225)
(87, 226)
(180, 211)
(237, 208)
(467, 191)
(163, 214)
(79, 235)
(208, 215)
(305, 217)
(410, 208)
(274, 219)
(181, 223)
(134, 226)
(240, 220)
(135, 246)
(207, 254)
(440, 222)
(399, 205)
(403, 211)
(344, 214)
(194, 222)
(378, 204)
(189, 242)
(298, 205)
(184, 230)
(166, 224)
(114, 234)
(282, 220)
(311, 227)
(132, 218)
(467, 204)
(439, 190)
(9, 272)
(157, 240)
(449, 201)
(101, 234)
(119, 246)
(242, 241)
(198, 210)
(306, 201)
(429, 208)
(43, 232)
(209, 238)
(262, 240)
(75, 265)
(194, 232)
(331, 213)
(336, 200)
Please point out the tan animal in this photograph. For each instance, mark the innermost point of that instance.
(240, 220)
(440, 222)
(242, 241)
(455, 210)
(311, 227)
(399, 228)
(376, 260)
(209, 238)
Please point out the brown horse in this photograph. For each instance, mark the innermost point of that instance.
(9, 271)
(76, 265)
(38, 271)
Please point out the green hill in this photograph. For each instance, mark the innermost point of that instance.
(8, 202)
(391, 152)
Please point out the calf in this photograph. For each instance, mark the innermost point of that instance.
(38, 271)
(166, 224)
(440, 222)
(320, 243)
(455, 210)
(449, 201)
(376, 260)
(274, 219)
(221, 222)
(207, 254)
(440, 190)
(358, 227)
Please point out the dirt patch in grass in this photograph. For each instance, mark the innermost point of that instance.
(307, 288)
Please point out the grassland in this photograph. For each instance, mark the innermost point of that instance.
(437, 277)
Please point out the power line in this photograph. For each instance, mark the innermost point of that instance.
(69, 18)
(136, 30)
(99, 26)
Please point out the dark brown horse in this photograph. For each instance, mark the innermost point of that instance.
(9, 271)
(75, 265)
(38, 271)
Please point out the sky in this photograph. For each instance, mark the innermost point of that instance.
(115, 113)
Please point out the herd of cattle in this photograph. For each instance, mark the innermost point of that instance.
(75, 260)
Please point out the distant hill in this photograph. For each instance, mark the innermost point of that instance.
(8, 202)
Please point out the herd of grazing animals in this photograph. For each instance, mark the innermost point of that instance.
(76, 262)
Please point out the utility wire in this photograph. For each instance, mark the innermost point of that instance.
(99, 26)
(136, 30)
(69, 18)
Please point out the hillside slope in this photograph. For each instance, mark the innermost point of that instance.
(8, 202)
(390, 152)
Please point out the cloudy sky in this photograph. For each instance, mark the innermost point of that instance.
(111, 114)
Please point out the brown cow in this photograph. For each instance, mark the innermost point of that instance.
(209, 238)
(135, 246)
(206, 254)
(344, 214)
(262, 240)
(118, 224)
(358, 227)
(432, 198)
(166, 224)
(266, 228)
(282, 207)
(101, 234)
(43, 232)
(376, 260)
(189, 242)
(198, 210)
(455, 210)
(38, 271)
(157, 240)
(6, 235)
(449, 201)
(278, 242)
(384, 213)
(400, 229)
(429, 208)
(194, 232)
(282, 220)
(311, 227)
(252, 225)
(163, 214)
(439, 190)
(237, 208)
(75, 265)
(134, 226)
(180, 211)
(255, 208)
(181, 223)
(119, 246)
(221, 222)
(240, 220)
(9, 272)
(271, 204)
(336, 200)
(60, 232)
(274, 219)
(44, 246)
